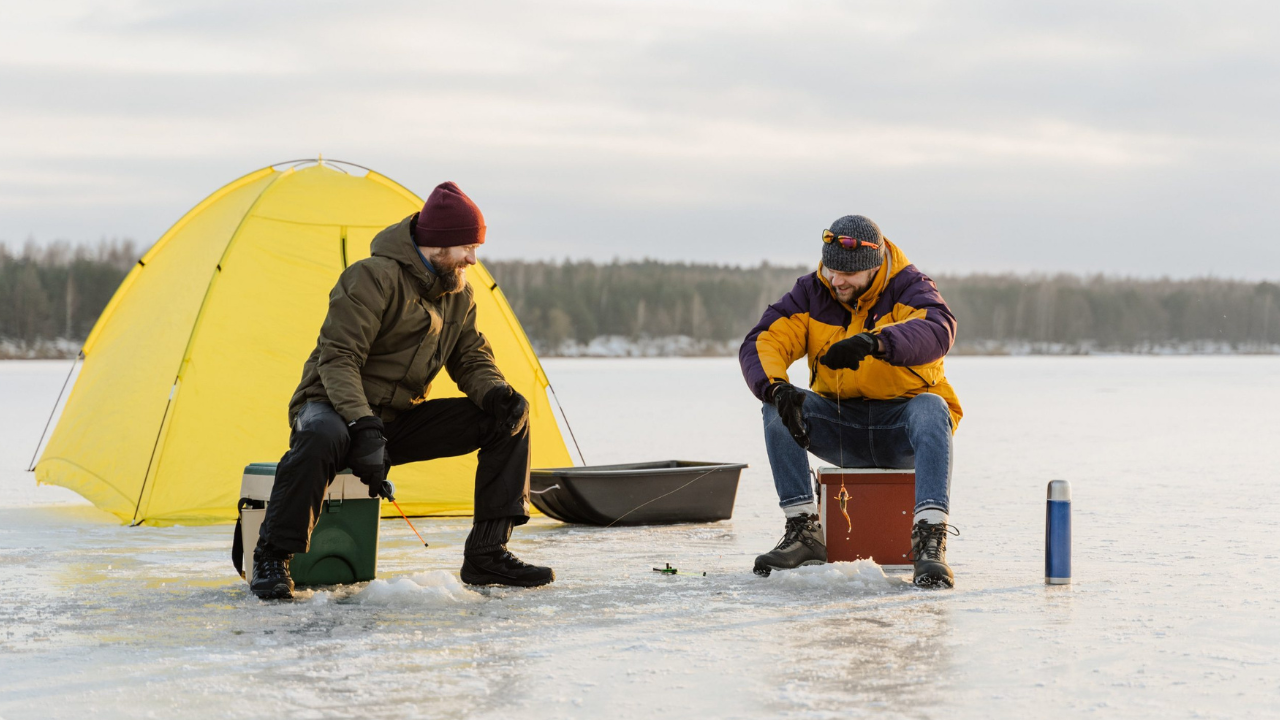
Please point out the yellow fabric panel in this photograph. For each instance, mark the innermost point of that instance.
(319, 195)
(102, 445)
(236, 339)
(257, 327)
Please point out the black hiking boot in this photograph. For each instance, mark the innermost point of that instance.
(486, 560)
(270, 579)
(801, 544)
(929, 553)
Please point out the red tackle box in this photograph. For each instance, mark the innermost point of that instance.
(880, 506)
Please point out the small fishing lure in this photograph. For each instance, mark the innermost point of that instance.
(843, 497)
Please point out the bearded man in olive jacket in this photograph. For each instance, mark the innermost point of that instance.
(395, 320)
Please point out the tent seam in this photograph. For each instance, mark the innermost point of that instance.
(311, 224)
(168, 235)
(157, 451)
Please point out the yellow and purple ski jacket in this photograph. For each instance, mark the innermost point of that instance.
(902, 306)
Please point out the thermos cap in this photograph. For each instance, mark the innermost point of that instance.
(1060, 490)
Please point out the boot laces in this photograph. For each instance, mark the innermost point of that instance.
(929, 540)
(794, 532)
(507, 558)
(272, 567)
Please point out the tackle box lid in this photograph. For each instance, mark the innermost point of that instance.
(866, 476)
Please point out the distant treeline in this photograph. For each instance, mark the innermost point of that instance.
(51, 295)
(578, 302)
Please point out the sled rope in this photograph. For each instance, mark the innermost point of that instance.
(660, 497)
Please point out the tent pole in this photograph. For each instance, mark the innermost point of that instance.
(141, 491)
(75, 361)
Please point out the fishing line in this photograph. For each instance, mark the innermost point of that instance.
(843, 496)
(840, 420)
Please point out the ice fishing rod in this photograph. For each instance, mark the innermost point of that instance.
(411, 527)
(668, 570)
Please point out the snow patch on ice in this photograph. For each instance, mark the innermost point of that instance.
(436, 588)
(857, 575)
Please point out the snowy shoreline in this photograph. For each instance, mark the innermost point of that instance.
(678, 346)
(619, 346)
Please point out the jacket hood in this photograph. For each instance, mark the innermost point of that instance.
(396, 243)
(895, 260)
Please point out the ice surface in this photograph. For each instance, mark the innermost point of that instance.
(860, 576)
(1172, 614)
(433, 589)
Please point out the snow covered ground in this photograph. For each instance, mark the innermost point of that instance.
(1173, 612)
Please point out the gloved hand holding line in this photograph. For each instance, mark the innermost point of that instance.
(849, 353)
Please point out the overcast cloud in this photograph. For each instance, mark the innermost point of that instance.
(1127, 138)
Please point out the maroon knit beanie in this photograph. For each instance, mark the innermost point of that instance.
(449, 218)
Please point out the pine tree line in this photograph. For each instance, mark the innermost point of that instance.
(1117, 314)
(50, 297)
(558, 302)
(56, 292)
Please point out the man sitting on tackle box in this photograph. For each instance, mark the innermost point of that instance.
(395, 320)
(875, 330)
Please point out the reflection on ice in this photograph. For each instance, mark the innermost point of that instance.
(103, 620)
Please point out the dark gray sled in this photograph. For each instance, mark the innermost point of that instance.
(637, 493)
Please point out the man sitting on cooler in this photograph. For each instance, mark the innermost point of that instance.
(874, 330)
(395, 320)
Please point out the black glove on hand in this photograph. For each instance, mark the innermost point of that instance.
(788, 399)
(368, 456)
(507, 406)
(849, 353)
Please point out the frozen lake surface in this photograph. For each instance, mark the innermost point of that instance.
(1174, 611)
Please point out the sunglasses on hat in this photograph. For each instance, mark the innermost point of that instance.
(847, 242)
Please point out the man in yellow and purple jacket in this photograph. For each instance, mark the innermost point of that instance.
(874, 330)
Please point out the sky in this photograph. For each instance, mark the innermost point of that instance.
(1131, 138)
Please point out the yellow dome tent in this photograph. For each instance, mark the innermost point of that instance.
(188, 372)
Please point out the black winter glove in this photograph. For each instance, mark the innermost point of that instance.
(508, 407)
(849, 353)
(368, 456)
(788, 399)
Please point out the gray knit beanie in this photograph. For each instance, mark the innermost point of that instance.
(842, 259)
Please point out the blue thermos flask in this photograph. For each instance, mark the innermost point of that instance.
(1057, 534)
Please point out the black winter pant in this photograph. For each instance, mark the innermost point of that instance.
(434, 429)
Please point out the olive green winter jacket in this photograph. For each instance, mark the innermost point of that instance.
(388, 333)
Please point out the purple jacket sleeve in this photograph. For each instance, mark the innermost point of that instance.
(927, 330)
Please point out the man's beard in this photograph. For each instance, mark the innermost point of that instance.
(451, 277)
(854, 294)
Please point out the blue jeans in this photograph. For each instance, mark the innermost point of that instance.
(913, 433)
